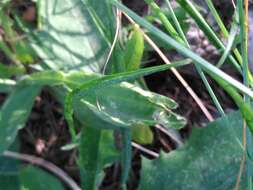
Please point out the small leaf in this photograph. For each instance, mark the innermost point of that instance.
(134, 50)
(142, 134)
(14, 113)
(96, 151)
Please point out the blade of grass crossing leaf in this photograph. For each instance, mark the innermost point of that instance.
(184, 51)
(97, 21)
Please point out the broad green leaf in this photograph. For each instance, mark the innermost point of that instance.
(131, 106)
(72, 35)
(14, 113)
(139, 105)
(32, 178)
(209, 160)
(89, 87)
(103, 108)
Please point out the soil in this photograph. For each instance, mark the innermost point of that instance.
(46, 131)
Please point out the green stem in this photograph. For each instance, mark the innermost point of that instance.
(243, 18)
(198, 68)
(166, 23)
(188, 6)
(222, 27)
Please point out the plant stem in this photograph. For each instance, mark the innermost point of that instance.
(198, 68)
(222, 27)
(243, 17)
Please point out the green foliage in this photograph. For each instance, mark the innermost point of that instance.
(72, 35)
(209, 160)
(134, 50)
(14, 113)
(34, 178)
(13, 177)
(142, 134)
(72, 41)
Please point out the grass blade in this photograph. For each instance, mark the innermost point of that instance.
(184, 51)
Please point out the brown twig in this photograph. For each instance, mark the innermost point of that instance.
(244, 141)
(172, 136)
(46, 165)
(145, 150)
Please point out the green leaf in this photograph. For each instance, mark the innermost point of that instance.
(205, 65)
(134, 50)
(142, 134)
(13, 177)
(14, 113)
(244, 107)
(9, 173)
(7, 85)
(126, 155)
(72, 35)
(97, 150)
(8, 71)
(89, 87)
(211, 155)
(32, 178)
(131, 104)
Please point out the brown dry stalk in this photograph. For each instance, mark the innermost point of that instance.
(242, 164)
(145, 150)
(175, 72)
